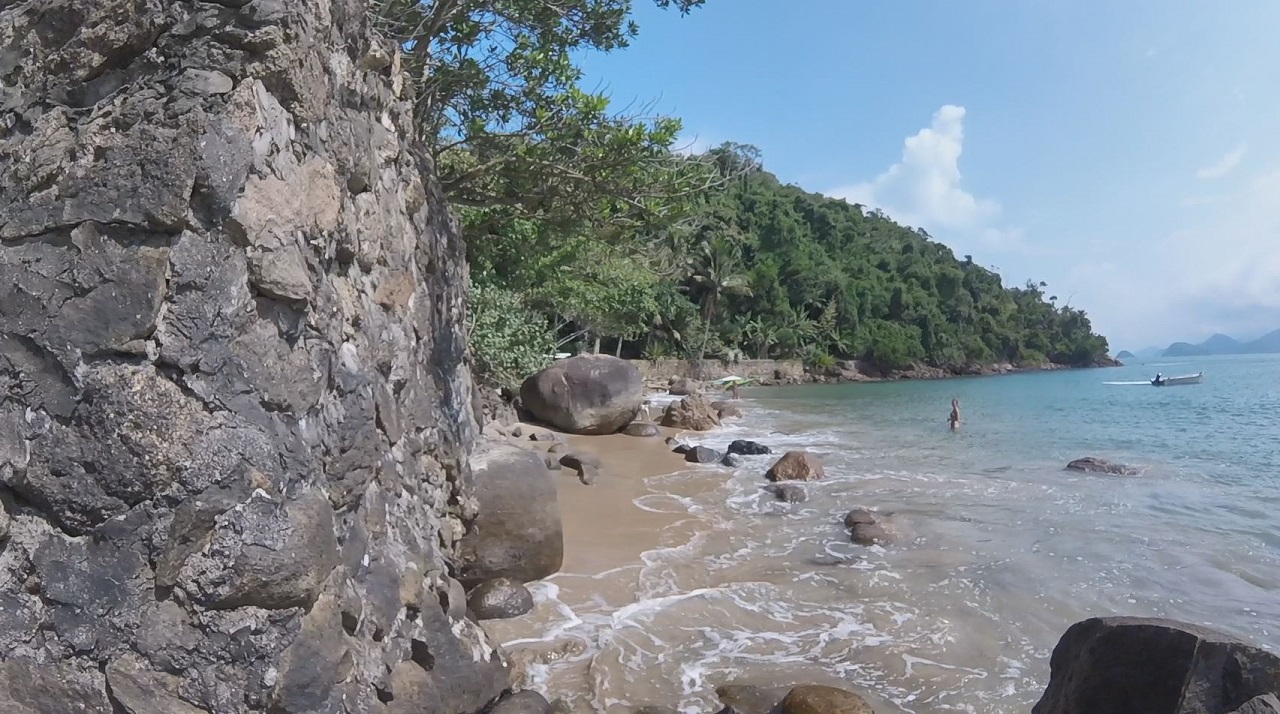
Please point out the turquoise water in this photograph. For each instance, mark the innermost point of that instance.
(997, 548)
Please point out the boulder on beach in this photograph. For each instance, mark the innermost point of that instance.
(748, 448)
(641, 429)
(1121, 665)
(702, 455)
(499, 599)
(818, 699)
(587, 394)
(693, 413)
(517, 533)
(1090, 464)
(796, 466)
(578, 461)
(683, 386)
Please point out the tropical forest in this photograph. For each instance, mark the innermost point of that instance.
(591, 228)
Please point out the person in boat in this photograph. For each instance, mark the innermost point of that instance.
(955, 414)
(1159, 380)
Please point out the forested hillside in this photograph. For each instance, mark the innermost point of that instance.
(761, 269)
(587, 230)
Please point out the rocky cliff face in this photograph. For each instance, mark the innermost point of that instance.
(234, 414)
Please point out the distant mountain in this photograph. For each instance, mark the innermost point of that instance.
(1224, 345)
(1126, 354)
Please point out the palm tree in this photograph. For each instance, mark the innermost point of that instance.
(717, 274)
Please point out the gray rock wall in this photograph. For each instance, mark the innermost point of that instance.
(234, 409)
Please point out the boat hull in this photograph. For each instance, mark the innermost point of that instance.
(1177, 381)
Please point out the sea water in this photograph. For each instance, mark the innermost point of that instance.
(997, 549)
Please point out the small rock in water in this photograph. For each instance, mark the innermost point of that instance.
(588, 475)
(1090, 464)
(544, 436)
(728, 411)
(526, 702)
(789, 493)
(796, 466)
(868, 534)
(748, 448)
(552, 462)
(499, 599)
(681, 449)
(641, 429)
(733, 461)
(816, 699)
(750, 699)
(558, 448)
(858, 516)
(517, 432)
(702, 455)
(683, 387)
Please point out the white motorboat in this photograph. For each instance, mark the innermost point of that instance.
(1161, 381)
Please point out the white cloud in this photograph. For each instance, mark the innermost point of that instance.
(1219, 273)
(1225, 165)
(924, 188)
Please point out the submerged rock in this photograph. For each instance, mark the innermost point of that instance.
(858, 516)
(1090, 464)
(868, 534)
(789, 492)
(733, 461)
(750, 699)
(1121, 665)
(817, 699)
(499, 599)
(587, 394)
(693, 413)
(796, 466)
(748, 448)
(728, 411)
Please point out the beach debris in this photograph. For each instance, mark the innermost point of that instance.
(524, 702)
(499, 599)
(797, 466)
(587, 394)
(1092, 464)
(693, 413)
(733, 461)
(748, 448)
(789, 492)
(819, 699)
(641, 429)
(1118, 665)
(702, 455)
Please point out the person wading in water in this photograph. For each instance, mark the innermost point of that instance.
(955, 414)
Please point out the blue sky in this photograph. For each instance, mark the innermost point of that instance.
(1124, 152)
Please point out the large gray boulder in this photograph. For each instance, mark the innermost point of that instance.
(517, 533)
(1129, 665)
(587, 394)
